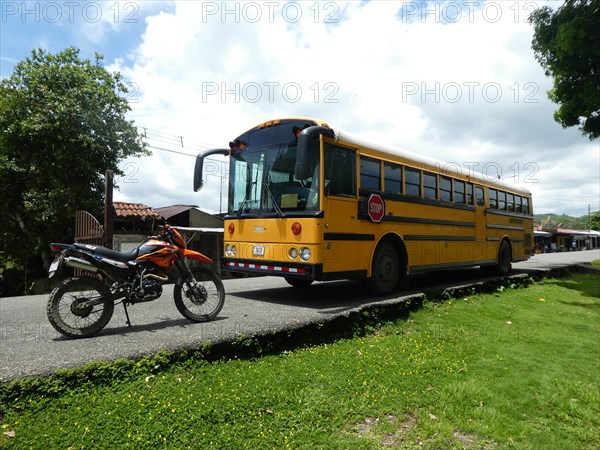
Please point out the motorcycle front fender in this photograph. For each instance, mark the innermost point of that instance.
(197, 256)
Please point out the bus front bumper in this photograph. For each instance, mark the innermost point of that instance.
(274, 268)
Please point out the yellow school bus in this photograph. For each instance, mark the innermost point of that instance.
(310, 203)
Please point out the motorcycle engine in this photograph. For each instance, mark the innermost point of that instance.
(152, 290)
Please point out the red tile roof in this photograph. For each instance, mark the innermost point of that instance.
(134, 210)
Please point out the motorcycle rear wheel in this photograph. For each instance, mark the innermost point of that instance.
(77, 322)
(200, 299)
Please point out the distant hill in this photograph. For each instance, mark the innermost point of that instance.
(565, 221)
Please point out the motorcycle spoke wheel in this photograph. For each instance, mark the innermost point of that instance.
(201, 298)
(66, 314)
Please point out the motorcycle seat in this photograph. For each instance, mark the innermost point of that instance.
(112, 254)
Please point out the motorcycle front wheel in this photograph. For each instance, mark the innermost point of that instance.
(200, 298)
(66, 313)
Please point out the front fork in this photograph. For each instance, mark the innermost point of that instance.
(184, 271)
(195, 290)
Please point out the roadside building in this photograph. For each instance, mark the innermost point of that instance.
(550, 240)
(203, 232)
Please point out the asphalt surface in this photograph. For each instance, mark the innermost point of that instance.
(29, 345)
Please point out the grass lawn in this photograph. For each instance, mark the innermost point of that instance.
(518, 368)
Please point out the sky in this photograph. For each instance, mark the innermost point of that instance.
(453, 80)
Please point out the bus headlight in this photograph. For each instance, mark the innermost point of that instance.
(233, 250)
(305, 253)
(293, 253)
(230, 250)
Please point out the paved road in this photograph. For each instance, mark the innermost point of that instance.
(30, 346)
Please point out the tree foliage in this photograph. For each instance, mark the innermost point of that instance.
(62, 125)
(566, 43)
(595, 221)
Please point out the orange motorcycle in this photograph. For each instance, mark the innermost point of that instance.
(83, 305)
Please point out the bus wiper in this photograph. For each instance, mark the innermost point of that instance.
(241, 210)
(278, 210)
(239, 213)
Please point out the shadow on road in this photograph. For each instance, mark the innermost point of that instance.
(160, 324)
(335, 297)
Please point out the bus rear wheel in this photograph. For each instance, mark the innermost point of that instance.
(384, 270)
(503, 264)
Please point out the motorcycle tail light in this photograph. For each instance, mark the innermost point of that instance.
(55, 248)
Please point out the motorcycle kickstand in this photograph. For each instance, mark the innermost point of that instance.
(126, 314)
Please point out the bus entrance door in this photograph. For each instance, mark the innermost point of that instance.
(339, 236)
(482, 246)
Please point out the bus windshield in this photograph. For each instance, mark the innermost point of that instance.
(262, 181)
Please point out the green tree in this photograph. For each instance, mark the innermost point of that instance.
(62, 125)
(566, 43)
(595, 221)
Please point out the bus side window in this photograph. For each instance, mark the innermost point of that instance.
(413, 181)
(470, 194)
(370, 173)
(480, 196)
(445, 189)
(493, 199)
(392, 174)
(340, 171)
(510, 202)
(459, 191)
(525, 205)
(502, 200)
(429, 185)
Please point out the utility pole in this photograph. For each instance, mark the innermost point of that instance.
(108, 210)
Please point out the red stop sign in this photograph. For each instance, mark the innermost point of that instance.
(376, 208)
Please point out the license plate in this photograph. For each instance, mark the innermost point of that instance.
(258, 250)
(53, 267)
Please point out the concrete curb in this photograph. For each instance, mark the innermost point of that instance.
(588, 268)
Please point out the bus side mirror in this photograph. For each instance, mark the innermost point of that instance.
(199, 167)
(307, 151)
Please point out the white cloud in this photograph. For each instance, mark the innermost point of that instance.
(465, 90)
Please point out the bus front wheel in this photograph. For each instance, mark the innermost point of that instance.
(384, 270)
(298, 282)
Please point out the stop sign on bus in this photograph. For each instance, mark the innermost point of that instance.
(376, 208)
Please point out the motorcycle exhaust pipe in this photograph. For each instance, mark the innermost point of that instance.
(154, 276)
(78, 263)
